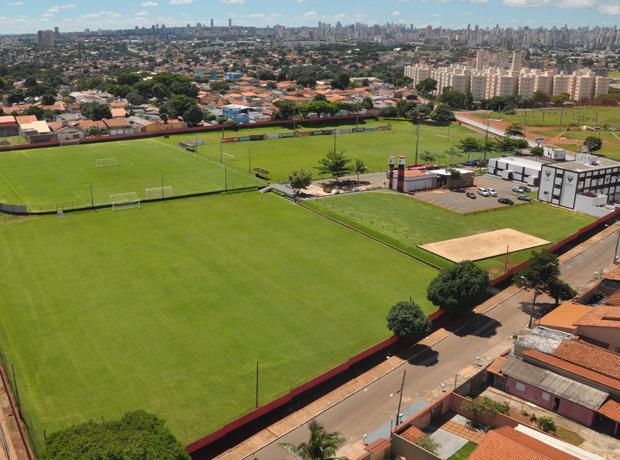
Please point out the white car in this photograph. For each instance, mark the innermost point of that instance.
(492, 192)
(483, 192)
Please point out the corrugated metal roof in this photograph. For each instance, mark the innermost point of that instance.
(555, 384)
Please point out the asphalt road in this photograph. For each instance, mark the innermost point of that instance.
(485, 336)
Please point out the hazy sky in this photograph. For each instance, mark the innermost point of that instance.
(30, 15)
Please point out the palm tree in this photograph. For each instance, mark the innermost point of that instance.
(321, 446)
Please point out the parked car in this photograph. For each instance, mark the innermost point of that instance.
(507, 201)
(483, 191)
(518, 189)
(523, 197)
(492, 192)
(471, 195)
(526, 189)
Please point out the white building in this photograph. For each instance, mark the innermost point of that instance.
(582, 184)
(514, 168)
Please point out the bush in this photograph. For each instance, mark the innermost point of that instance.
(494, 405)
(477, 408)
(428, 444)
(546, 424)
(408, 322)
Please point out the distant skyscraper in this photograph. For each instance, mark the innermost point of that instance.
(56, 32)
(212, 23)
(45, 38)
(229, 22)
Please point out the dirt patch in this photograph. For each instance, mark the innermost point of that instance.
(484, 245)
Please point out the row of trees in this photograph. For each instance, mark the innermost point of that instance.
(465, 285)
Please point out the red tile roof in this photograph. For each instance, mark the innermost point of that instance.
(25, 119)
(611, 410)
(573, 369)
(118, 123)
(507, 444)
(590, 356)
(604, 316)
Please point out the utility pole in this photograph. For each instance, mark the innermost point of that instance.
(92, 197)
(400, 399)
(222, 146)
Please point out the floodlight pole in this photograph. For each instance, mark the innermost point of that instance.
(92, 199)
(257, 384)
(417, 139)
(222, 146)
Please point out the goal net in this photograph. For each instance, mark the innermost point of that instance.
(124, 201)
(63, 142)
(104, 162)
(158, 192)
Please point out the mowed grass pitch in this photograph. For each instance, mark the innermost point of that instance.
(167, 308)
(45, 178)
(408, 222)
(282, 156)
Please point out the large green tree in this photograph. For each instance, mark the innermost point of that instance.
(459, 288)
(299, 179)
(442, 114)
(336, 164)
(95, 111)
(593, 143)
(136, 436)
(321, 445)
(426, 87)
(408, 322)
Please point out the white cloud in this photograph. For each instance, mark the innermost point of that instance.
(311, 15)
(395, 13)
(15, 4)
(149, 4)
(558, 3)
(611, 9)
(181, 2)
(233, 2)
(58, 8)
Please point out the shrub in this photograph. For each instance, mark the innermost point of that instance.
(427, 443)
(546, 424)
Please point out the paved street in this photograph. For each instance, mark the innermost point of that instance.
(486, 336)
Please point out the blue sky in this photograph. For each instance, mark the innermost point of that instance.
(22, 16)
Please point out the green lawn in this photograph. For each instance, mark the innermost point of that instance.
(43, 178)
(611, 141)
(409, 222)
(167, 308)
(281, 156)
(566, 117)
(464, 452)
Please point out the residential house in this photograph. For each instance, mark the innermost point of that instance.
(34, 131)
(119, 126)
(119, 112)
(8, 126)
(142, 125)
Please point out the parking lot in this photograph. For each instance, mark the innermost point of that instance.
(459, 202)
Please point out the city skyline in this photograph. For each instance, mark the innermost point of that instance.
(28, 16)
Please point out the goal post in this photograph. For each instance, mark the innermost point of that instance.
(124, 201)
(155, 193)
(104, 162)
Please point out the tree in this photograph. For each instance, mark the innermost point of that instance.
(193, 116)
(593, 143)
(470, 144)
(135, 98)
(359, 168)
(286, 109)
(48, 99)
(537, 151)
(335, 164)
(459, 288)
(426, 87)
(367, 103)
(136, 435)
(514, 129)
(560, 291)
(456, 99)
(442, 113)
(453, 153)
(179, 105)
(428, 444)
(342, 81)
(299, 179)
(321, 445)
(95, 111)
(540, 98)
(546, 424)
(428, 157)
(542, 275)
(407, 322)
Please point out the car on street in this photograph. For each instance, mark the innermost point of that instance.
(471, 195)
(523, 197)
(526, 189)
(507, 201)
(483, 192)
(492, 192)
(518, 189)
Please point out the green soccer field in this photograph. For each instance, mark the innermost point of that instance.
(282, 156)
(565, 117)
(408, 222)
(46, 178)
(167, 308)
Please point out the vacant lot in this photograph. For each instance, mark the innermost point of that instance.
(408, 222)
(565, 117)
(167, 308)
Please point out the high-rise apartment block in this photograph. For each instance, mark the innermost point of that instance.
(46, 38)
(495, 74)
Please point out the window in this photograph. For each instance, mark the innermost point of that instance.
(520, 387)
(546, 396)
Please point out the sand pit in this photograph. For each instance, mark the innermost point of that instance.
(484, 245)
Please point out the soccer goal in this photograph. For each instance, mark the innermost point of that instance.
(65, 142)
(105, 162)
(158, 192)
(124, 201)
